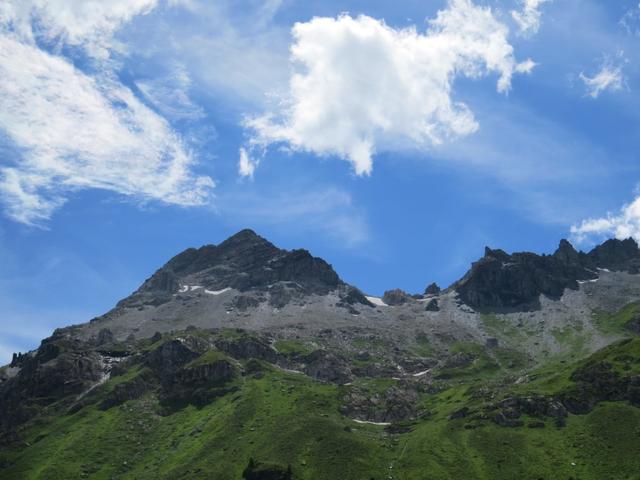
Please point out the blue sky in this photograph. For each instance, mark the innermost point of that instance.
(393, 139)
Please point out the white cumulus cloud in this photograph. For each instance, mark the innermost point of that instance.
(64, 130)
(528, 17)
(363, 86)
(609, 78)
(622, 225)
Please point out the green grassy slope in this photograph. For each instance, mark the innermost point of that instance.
(286, 418)
(292, 420)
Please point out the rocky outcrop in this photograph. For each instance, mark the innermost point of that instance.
(18, 359)
(266, 471)
(246, 302)
(214, 372)
(61, 367)
(327, 366)
(593, 383)
(516, 281)
(432, 306)
(247, 346)
(633, 325)
(537, 406)
(174, 354)
(396, 297)
(105, 336)
(129, 390)
(395, 404)
(350, 296)
(620, 255)
(432, 289)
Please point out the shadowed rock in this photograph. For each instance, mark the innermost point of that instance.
(515, 282)
(432, 289)
(396, 297)
(243, 262)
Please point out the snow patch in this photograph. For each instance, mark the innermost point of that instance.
(588, 281)
(217, 292)
(377, 301)
(371, 423)
(189, 288)
(420, 374)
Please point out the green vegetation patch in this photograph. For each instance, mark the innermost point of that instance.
(612, 323)
(209, 357)
(293, 348)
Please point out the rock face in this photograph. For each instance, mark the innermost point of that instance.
(172, 355)
(516, 281)
(243, 262)
(327, 366)
(432, 289)
(218, 371)
(266, 471)
(396, 297)
(432, 306)
(395, 404)
(597, 382)
(130, 390)
(245, 347)
(60, 367)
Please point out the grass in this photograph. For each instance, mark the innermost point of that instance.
(443, 449)
(422, 346)
(487, 364)
(293, 348)
(614, 323)
(500, 327)
(282, 418)
(289, 419)
(211, 356)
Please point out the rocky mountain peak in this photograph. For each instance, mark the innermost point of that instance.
(245, 261)
(516, 281)
(566, 253)
(617, 254)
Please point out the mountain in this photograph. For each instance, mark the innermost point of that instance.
(243, 360)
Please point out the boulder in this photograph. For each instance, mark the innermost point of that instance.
(266, 471)
(504, 421)
(432, 306)
(432, 289)
(396, 297)
(323, 365)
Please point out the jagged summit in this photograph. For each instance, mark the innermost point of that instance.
(245, 261)
(516, 281)
(248, 282)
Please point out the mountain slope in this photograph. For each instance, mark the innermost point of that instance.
(243, 359)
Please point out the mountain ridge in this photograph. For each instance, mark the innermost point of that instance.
(245, 360)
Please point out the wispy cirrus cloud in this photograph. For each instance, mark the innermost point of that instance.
(608, 78)
(89, 24)
(65, 130)
(630, 21)
(362, 86)
(528, 18)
